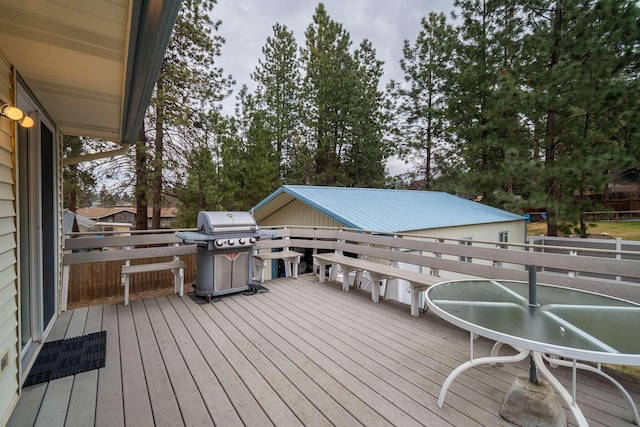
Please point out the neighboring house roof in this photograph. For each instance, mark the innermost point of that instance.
(92, 64)
(99, 213)
(68, 218)
(385, 210)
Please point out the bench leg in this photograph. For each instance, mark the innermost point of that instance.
(125, 283)
(294, 266)
(345, 277)
(178, 278)
(415, 302)
(260, 266)
(287, 267)
(375, 287)
(322, 269)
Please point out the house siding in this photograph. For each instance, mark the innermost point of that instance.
(60, 217)
(9, 338)
(298, 213)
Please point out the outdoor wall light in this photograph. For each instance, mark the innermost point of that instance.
(26, 122)
(16, 114)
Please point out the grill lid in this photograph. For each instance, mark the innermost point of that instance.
(225, 222)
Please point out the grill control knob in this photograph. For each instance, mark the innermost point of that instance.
(241, 241)
(231, 242)
(252, 240)
(219, 243)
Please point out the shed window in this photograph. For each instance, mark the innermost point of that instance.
(466, 242)
(503, 237)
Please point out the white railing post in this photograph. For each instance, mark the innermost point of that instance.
(618, 255)
(573, 273)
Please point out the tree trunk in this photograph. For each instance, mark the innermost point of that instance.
(157, 164)
(141, 181)
(550, 146)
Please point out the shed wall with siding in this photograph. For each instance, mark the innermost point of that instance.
(9, 385)
(298, 213)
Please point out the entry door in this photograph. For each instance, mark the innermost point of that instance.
(37, 229)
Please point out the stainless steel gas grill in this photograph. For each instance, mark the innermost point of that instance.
(225, 243)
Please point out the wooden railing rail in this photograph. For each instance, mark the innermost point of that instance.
(579, 267)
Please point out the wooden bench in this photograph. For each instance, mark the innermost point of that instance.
(418, 282)
(290, 257)
(176, 266)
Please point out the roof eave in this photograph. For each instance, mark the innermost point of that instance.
(151, 24)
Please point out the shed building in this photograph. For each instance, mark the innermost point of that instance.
(423, 213)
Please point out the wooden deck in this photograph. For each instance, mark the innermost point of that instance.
(302, 354)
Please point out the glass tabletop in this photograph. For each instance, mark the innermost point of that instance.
(568, 322)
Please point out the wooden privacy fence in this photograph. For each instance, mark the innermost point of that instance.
(93, 264)
(98, 280)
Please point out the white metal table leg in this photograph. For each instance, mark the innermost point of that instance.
(560, 389)
(476, 362)
(590, 368)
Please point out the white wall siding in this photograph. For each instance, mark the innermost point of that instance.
(480, 232)
(297, 213)
(9, 385)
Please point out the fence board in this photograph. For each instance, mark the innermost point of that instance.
(98, 280)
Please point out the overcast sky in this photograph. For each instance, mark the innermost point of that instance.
(246, 24)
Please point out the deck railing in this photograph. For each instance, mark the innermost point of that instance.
(94, 273)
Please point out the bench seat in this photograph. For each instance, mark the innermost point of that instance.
(418, 282)
(176, 266)
(260, 261)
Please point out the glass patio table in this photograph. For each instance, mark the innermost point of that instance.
(565, 323)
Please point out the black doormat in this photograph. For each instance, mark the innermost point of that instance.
(203, 300)
(70, 356)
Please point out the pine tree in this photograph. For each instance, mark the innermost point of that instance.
(343, 124)
(586, 94)
(329, 87)
(365, 155)
(484, 98)
(278, 92)
(250, 163)
(188, 87)
(201, 190)
(419, 112)
(78, 180)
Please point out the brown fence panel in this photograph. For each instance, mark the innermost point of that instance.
(100, 280)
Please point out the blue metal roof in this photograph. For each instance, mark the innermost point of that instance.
(392, 210)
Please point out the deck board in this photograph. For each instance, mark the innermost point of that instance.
(185, 390)
(109, 401)
(163, 399)
(236, 390)
(135, 394)
(302, 354)
(213, 395)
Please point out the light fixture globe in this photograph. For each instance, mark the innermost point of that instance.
(14, 113)
(26, 122)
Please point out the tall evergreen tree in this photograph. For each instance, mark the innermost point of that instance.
(340, 101)
(420, 102)
(278, 93)
(188, 86)
(484, 97)
(328, 84)
(250, 163)
(365, 155)
(586, 51)
(201, 189)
